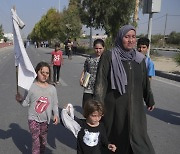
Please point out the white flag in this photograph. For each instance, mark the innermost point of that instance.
(26, 72)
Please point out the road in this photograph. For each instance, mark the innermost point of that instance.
(163, 122)
(168, 54)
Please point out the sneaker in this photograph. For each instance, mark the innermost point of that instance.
(57, 82)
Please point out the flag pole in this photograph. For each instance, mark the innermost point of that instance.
(17, 87)
(25, 73)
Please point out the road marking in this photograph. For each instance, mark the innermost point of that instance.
(170, 82)
(62, 83)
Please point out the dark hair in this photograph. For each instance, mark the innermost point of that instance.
(98, 41)
(40, 65)
(92, 106)
(143, 41)
(57, 45)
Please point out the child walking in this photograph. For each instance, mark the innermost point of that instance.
(41, 100)
(143, 46)
(91, 138)
(57, 61)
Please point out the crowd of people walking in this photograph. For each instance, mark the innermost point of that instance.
(113, 100)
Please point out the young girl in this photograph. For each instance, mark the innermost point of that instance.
(91, 138)
(90, 66)
(41, 100)
(56, 60)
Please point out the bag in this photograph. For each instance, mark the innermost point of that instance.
(67, 117)
(86, 79)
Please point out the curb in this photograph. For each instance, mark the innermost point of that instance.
(166, 75)
(7, 47)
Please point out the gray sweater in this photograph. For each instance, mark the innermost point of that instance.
(41, 103)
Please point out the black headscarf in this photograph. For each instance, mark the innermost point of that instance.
(119, 54)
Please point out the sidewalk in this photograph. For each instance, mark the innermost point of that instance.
(2, 45)
(167, 68)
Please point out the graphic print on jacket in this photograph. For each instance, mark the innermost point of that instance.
(90, 138)
(41, 104)
(56, 57)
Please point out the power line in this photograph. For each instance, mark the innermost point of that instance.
(172, 15)
(153, 20)
(159, 18)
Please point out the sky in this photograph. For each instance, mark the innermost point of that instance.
(31, 11)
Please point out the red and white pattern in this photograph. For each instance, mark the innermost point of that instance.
(42, 104)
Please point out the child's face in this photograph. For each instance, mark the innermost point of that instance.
(143, 49)
(57, 48)
(94, 118)
(43, 74)
(99, 49)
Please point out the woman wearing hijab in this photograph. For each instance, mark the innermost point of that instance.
(123, 85)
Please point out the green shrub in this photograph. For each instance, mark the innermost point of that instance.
(154, 52)
(85, 50)
(108, 43)
(177, 58)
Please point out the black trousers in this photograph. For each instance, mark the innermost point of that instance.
(56, 73)
(86, 97)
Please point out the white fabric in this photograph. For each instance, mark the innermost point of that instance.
(26, 72)
(67, 116)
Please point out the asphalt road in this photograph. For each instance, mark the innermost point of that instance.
(163, 122)
(167, 54)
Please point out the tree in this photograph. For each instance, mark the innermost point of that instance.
(173, 38)
(47, 27)
(57, 25)
(109, 15)
(70, 25)
(1, 32)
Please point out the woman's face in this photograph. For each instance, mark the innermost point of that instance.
(99, 49)
(129, 40)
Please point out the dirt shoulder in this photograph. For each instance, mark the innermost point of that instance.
(166, 65)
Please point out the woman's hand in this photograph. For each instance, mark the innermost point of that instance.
(56, 120)
(150, 108)
(81, 81)
(82, 78)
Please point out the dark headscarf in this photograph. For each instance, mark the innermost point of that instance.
(119, 54)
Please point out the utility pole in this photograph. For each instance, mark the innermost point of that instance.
(150, 7)
(90, 39)
(135, 18)
(149, 30)
(165, 30)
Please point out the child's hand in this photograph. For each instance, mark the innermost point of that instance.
(19, 97)
(56, 120)
(67, 107)
(112, 147)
